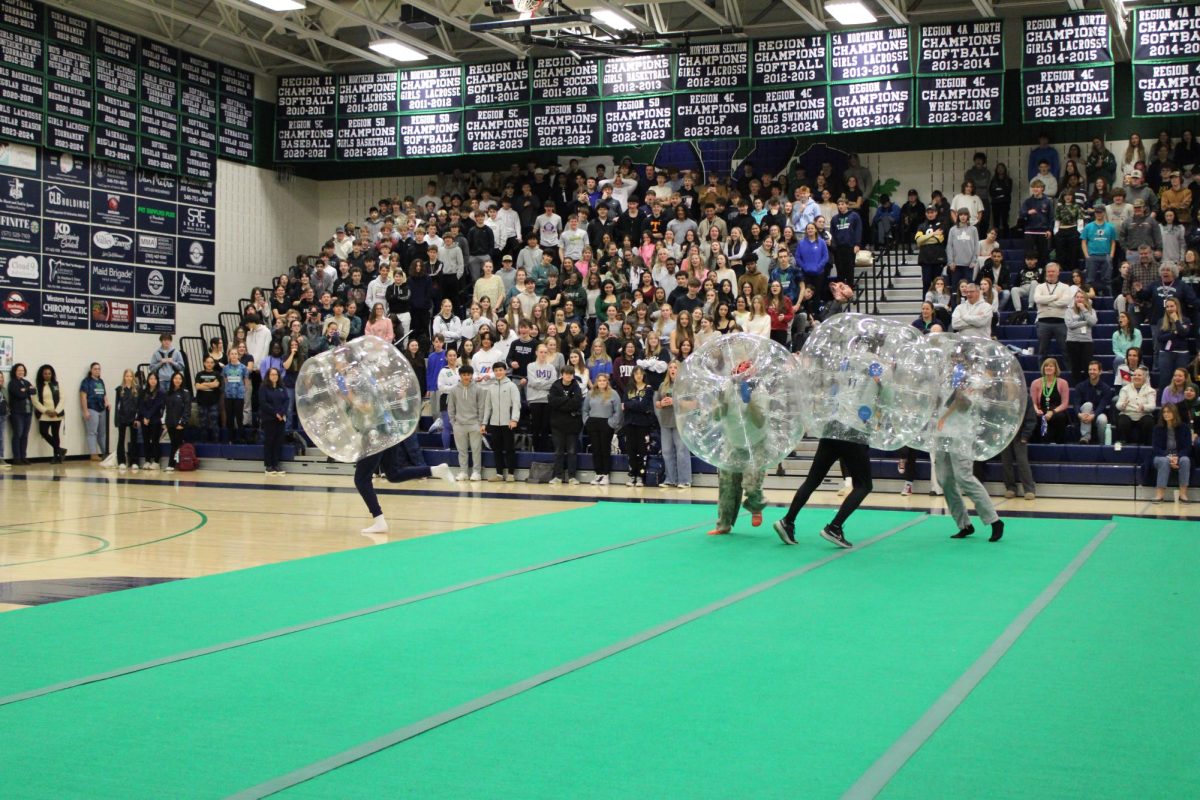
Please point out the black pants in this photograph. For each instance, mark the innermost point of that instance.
(393, 470)
(565, 459)
(234, 408)
(843, 259)
(272, 442)
(125, 449)
(1066, 249)
(1037, 243)
(929, 271)
(176, 436)
(856, 461)
(421, 318)
(600, 433)
(49, 432)
(1078, 356)
(637, 442)
(1131, 431)
(539, 426)
(504, 447)
(780, 336)
(1056, 430)
(151, 433)
(1000, 212)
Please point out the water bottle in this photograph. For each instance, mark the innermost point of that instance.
(1108, 435)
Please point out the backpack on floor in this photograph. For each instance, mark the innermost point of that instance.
(187, 460)
(540, 472)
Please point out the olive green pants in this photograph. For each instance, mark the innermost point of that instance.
(738, 490)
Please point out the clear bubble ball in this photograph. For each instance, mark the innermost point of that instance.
(735, 402)
(867, 379)
(981, 397)
(358, 399)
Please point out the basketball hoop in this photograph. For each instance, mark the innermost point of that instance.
(526, 8)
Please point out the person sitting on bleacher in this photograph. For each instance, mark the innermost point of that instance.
(1135, 422)
(1051, 397)
(1172, 453)
(1091, 399)
(1028, 278)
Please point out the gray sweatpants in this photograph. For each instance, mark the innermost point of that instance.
(957, 479)
(468, 438)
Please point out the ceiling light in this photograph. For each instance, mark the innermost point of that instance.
(612, 19)
(850, 13)
(280, 5)
(397, 51)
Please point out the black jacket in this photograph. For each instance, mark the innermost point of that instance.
(566, 407)
(178, 407)
(125, 411)
(150, 406)
(19, 393)
(273, 402)
(638, 407)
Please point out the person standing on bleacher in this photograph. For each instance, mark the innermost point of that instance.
(1053, 298)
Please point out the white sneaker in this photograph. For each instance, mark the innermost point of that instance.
(573, 481)
(511, 478)
(631, 482)
(602, 480)
(378, 525)
(639, 482)
(134, 468)
(685, 486)
(554, 481)
(907, 490)
(475, 476)
(268, 472)
(442, 471)
(280, 472)
(847, 485)
(121, 467)
(154, 465)
(665, 485)
(168, 468)
(460, 476)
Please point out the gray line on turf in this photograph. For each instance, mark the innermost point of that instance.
(318, 768)
(879, 774)
(304, 626)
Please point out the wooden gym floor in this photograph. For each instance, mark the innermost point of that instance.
(76, 530)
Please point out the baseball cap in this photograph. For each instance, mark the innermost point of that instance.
(341, 230)
(507, 258)
(1137, 173)
(1139, 203)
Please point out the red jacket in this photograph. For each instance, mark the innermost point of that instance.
(781, 318)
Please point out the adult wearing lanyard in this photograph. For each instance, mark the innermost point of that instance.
(1052, 299)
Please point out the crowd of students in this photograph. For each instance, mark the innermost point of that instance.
(551, 272)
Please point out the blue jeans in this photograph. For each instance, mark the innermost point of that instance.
(21, 423)
(1167, 362)
(1100, 267)
(1163, 466)
(210, 422)
(676, 459)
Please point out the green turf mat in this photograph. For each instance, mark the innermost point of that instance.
(1098, 699)
(62, 641)
(791, 693)
(234, 719)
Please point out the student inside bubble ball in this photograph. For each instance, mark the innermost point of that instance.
(742, 412)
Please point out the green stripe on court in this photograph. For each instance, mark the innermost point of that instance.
(789, 694)
(63, 641)
(1098, 699)
(236, 718)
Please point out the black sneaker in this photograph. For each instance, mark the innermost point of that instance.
(786, 531)
(964, 533)
(833, 533)
(997, 531)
